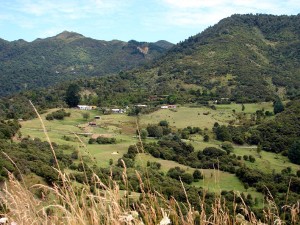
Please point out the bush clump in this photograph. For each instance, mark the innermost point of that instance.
(58, 115)
(102, 140)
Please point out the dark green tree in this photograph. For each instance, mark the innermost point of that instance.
(72, 95)
(222, 133)
(154, 131)
(206, 138)
(172, 99)
(294, 152)
(278, 106)
(197, 175)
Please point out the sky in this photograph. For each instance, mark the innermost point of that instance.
(141, 20)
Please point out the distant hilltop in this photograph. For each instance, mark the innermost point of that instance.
(69, 55)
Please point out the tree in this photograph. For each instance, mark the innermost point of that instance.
(72, 95)
(227, 146)
(197, 175)
(187, 178)
(155, 131)
(172, 99)
(144, 134)
(294, 152)
(278, 106)
(206, 138)
(85, 115)
(243, 107)
(222, 133)
(164, 123)
(213, 152)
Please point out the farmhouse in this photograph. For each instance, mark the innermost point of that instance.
(141, 106)
(168, 107)
(87, 107)
(118, 110)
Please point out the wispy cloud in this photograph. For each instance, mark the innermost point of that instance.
(69, 9)
(127, 19)
(201, 12)
(52, 16)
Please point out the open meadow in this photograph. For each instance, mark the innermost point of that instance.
(75, 130)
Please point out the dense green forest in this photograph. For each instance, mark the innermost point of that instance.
(68, 55)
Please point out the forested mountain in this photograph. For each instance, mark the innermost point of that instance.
(243, 58)
(68, 55)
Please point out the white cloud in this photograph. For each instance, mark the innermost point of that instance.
(209, 12)
(70, 9)
(193, 3)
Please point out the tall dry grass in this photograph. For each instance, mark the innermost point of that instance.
(70, 204)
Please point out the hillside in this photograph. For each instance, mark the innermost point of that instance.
(167, 162)
(68, 55)
(243, 58)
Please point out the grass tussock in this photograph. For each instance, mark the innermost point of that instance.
(66, 203)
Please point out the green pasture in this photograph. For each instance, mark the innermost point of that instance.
(118, 126)
(249, 107)
(266, 161)
(214, 180)
(199, 144)
(185, 116)
(123, 128)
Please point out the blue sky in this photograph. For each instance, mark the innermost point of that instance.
(142, 20)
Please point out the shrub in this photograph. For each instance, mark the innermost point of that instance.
(155, 131)
(58, 115)
(197, 175)
(245, 157)
(206, 138)
(227, 146)
(164, 123)
(214, 152)
(294, 152)
(251, 159)
(102, 140)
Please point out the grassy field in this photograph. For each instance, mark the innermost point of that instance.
(119, 126)
(249, 108)
(266, 161)
(184, 116)
(214, 180)
(123, 128)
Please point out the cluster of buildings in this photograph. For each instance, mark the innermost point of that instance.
(86, 107)
(119, 110)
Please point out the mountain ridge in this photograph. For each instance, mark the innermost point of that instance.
(243, 58)
(40, 63)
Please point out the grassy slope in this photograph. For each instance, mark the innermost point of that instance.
(184, 116)
(119, 126)
(214, 180)
(249, 108)
(123, 129)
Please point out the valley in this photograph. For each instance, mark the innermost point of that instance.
(205, 131)
(76, 131)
